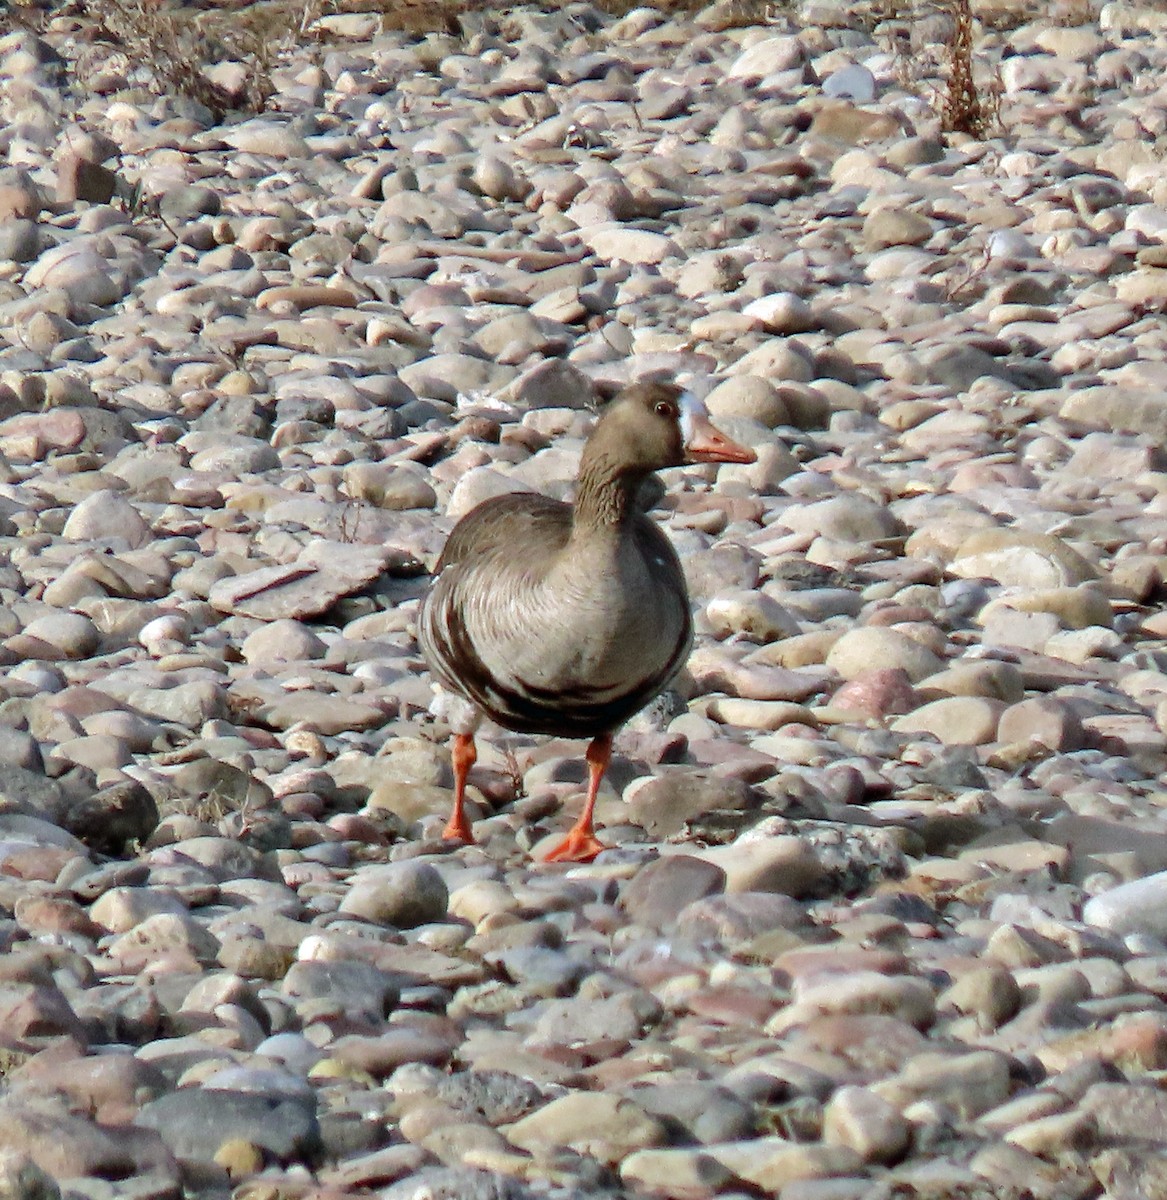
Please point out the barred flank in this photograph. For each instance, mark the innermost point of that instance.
(581, 711)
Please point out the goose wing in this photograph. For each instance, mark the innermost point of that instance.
(507, 525)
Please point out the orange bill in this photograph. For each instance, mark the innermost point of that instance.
(704, 442)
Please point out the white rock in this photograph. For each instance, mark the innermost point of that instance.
(767, 58)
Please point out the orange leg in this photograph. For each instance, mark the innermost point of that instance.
(581, 843)
(464, 756)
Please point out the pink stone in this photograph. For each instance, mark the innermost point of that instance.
(896, 614)
(355, 828)
(1043, 720)
(880, 693)
(979, 474)
(57, 429)
(733, 1005)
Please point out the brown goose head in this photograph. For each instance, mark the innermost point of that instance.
(653, 425)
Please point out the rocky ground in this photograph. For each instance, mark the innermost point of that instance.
(884, 915)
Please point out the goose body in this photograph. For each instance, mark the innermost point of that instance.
(561, 619)
(555, 642)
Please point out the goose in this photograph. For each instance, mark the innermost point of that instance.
(567, 619)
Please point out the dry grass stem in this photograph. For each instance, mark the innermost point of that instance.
(964, 107)
(174, 48)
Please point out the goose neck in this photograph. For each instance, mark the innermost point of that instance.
(604, 499)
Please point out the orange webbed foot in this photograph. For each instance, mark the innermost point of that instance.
(458, 831)
(580, 845)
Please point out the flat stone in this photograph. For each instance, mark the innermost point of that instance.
(619, 244)
(1135, 907)
(1121, 409)
(1019, 558)
(872, 648)
(663, 888)
(64, 1146)
(878, 693)
(786, 865)
(663, 804)
(196, 1123)
(404, 895)
(991, 679)
(767, 57)
(704, 1111)
(1044, 721)
(753, 615)
(895, 227)
(324, 572)
(772, 1164)
(866, 1123)
(907, 998)
(955, 721)
(601, 1126)
(676, 1172)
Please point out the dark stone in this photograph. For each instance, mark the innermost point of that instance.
(318, 409)
(20, 748)
(350, 987)
(954, 773)
(741, 916)
(700, 1111)
(187, 203)
(720, 568)
(79, 179)
(456, 1183)
(195, 1122)
(105, 432)
(243, 415)
(29, 791)
(957, 367)
(496, 1096)
(658, 892)
(20, 240)
(345, 1134)
(664, 804)
(120, 1013)
(232, 787)
(111, 821)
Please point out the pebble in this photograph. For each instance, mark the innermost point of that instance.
(195, 1120)
(601, 1126)
(663, 888)
(752, 615)
(881, 909)
(404, 895)
(1129, 908)
(871, 648)
(866, 1123)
